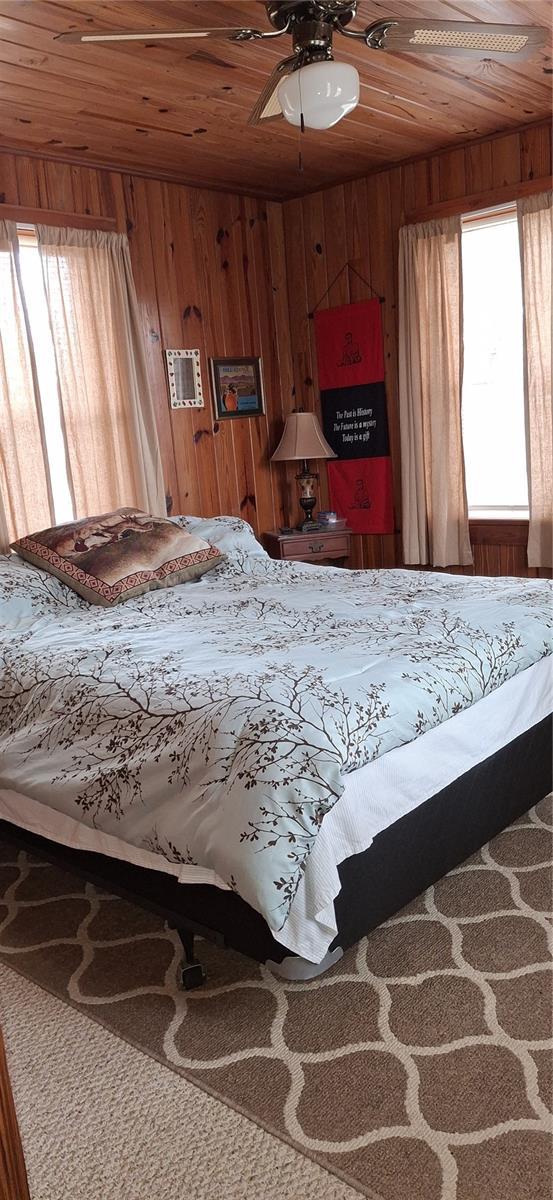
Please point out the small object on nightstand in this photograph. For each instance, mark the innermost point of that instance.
(317, 546)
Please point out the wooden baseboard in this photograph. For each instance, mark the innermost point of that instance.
(13, 1175)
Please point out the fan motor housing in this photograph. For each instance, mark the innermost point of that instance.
(283, 13)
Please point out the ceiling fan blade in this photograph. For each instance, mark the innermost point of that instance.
(267, 107)
(427, 36)
(159, 35)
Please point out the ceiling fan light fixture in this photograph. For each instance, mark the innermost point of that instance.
(323, 91)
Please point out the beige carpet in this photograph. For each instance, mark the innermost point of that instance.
(419, 1067)
(99, 1120)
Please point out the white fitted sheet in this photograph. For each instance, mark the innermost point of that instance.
(375, 796)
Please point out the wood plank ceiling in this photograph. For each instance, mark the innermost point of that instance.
(179, 110)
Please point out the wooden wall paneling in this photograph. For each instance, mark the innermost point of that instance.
(298, 305)
(506, 160)
(59, 186)
(264, 335)
(167, 241)
(78, 192)
(95, 189)
(355, 200)
(335, 219)
(358, 254)
(284, 399)
(9, 187)
(300, 331)
(478, 167)
(208, 442)
(238, 342)
(118, 194)
(488, 560)
(391, 543)
(318, 240)
(535, 152)
(380, 549)
(31, 183)
(451, 174)
(193, 428)
(212, 233)
(142, 258)
(416, 184)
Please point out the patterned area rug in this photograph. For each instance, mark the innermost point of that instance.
(418, 1068)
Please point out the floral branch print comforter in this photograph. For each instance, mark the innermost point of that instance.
(213, 722)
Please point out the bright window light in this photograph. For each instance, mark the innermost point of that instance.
(494, 436)
(37, 309)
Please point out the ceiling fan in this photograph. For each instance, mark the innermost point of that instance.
(309, 88)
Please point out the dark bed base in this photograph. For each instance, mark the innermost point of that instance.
(405, 859)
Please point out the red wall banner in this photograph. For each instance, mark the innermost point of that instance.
(355, 421)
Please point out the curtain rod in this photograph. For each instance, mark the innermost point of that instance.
(50, 216)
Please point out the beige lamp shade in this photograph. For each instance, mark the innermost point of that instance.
(302, 439)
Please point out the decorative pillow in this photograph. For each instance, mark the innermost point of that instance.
(230, 534)
(110, 558)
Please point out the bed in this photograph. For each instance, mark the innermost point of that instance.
(277, 756)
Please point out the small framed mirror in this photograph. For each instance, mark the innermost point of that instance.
(185, 379)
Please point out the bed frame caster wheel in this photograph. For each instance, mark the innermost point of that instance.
(193, 975)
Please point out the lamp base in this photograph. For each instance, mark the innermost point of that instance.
(307, 480)
(307, 502)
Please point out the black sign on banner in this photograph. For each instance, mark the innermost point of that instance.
(355, 420)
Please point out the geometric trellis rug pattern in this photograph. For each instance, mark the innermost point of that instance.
(418, 1068)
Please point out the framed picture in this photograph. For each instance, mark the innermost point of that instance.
(185, 380)
(237, 387)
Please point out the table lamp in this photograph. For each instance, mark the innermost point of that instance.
(303, 439)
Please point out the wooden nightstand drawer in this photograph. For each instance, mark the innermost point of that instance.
(313, 545)
(319, 546)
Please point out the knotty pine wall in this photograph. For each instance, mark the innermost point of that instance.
(359, 222)
(235, 275)
(210, 272)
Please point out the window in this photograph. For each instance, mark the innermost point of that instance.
(43, 348)
(494, 436)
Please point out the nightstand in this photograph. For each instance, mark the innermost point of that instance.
(319, 546)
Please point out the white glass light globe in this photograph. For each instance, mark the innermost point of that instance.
(324, 91)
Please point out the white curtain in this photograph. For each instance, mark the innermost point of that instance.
(535, 223)
(25, 495)
(108, 415)
(435, 513)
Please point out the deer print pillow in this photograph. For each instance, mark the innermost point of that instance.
(108, 559)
